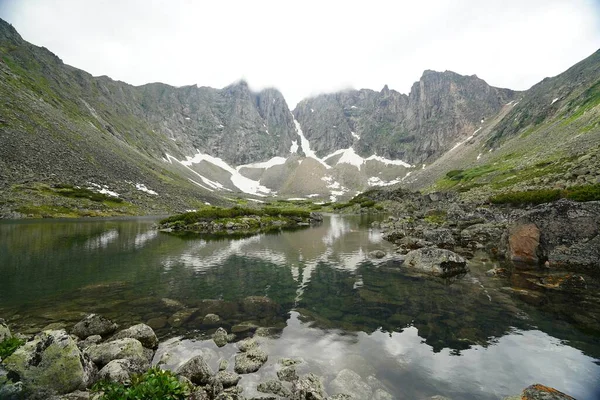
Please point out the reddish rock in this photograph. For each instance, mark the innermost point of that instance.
(541, 392)
(523, 243)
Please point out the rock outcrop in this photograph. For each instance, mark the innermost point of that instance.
(436, 262)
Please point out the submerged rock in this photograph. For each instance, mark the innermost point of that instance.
(260, 306)
(141, 332)
(51, 361)
(220, 337)
(436, 262)
(287, 374)
(377, 254)
(250, 361)
(94, 324)
(196, 370)
(309, 387)
(350, 383)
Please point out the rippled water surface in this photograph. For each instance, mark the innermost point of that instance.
(332, 305)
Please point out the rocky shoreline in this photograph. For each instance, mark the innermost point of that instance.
(92, 360)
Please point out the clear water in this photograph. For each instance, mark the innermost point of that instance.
(336, 307)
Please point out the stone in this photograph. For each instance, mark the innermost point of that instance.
(196, 370)
(498, 272)
(259, 307)
(381, 394)
(128, 348)
(250, 361)
(76, 395)
(247, 344)
(227, 378)
(94, 324)
(308, 387)
(349, 382)
(223, 364)
(172, 304)
(51, 361)
(141, 332)
(377, 254)
(523, 242)
(541, 392)
(4, 331)
(88, 341)
(274, 387)
(287, 374)
(441, 237)
(244, 327)
(220, 337)
(436, 262)
(340, 396)
(181, 317)
(12, 391)
(157, 322)
(211, 320)
(121, 370)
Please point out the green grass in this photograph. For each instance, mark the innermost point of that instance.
(9, 346)
(576, 193)
(153, 384)
(83, 193)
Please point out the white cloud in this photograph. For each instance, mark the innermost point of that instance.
(313, 46)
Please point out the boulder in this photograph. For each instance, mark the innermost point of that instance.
(227, 378)
(181, 317)
(308, 387)
(220, 337)
(250, 361)
(211, 320)
(488, 235)
(128, 348)
(274, 387)
(141, 332)
(196, 370)
(350, 383)
(88, 341)
(377, 254)
(523, 243)
(287, 374)
(541, 392)
(94, 324)
(441, 237)
(122, 370)
(436, 262)
(4, 331)
(51, 361)
(247, 344)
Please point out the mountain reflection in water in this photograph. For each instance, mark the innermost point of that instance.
(331, 304)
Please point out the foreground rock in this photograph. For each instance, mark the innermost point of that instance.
(141, 332)
(94, 324)
(436, 262)
(128, 348)
(4, 331)
(122, 370)
(541, 392)
(250, 361)
(51, 361)
(196, 370)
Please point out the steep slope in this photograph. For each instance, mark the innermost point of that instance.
(416, 128)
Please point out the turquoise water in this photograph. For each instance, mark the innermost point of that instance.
(331, 304)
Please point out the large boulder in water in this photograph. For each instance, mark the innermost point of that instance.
(569, 233)
(94, 324)
(141, 332)
(52, 362)
(103, 353)
(436, 262)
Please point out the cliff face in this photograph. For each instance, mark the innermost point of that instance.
(442, 107)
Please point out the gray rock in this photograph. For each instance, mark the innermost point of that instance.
(122, 370)
(94, 324)
(141, 332)
(247, 344)
(128, 348)
(220, 337)
(196, 370)
(287, 374)
(4, 331)
(244, 327)
(541, 392)
(436, 262)
(227, 378)
(88, 341)
(441, 237)
(51, 361)
(211, 320)
(377, 254)
(76, 395)
(181, 317)
(274, 387)
(381, 394)
(12, 391)
(260, 306)
(350, 383)
(250, 361)
(309, 387)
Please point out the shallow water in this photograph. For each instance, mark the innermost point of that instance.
(334, 306)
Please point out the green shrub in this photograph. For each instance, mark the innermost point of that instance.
(455, 173)
(8, 346)
(584, 193)
(214, 213)
(153, 384)
(339, 206)
(527, 197)
(367, 203)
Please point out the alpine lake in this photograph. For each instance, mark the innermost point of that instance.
(330, 304)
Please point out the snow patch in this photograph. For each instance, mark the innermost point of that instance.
(143, 188)
(306, 144)
(387, 161)
(294, 147)
(102, 189)
(312, 195)
(555, 100)
(255, 200)
(311, 110)
(376, 181)
(264, 164)
(423, 167)
(355, 135)
(353, 107)
(187, 118)
(464, 141)
(202, 186)
(479, 156)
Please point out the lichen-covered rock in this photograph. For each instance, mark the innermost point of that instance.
(308, 387)
(247, 344)
(275, 387)
(260, 306)
(12, 391)
(441, 237)
(350, 383)
(121, 370)
(4, 331)
(88, 341)
(250, 361)
(220, 337)
(94, 324)
(128, 348)
(211, 320)
(141, 332)
(227, 378)
(541, 392)
(223, 364)
(76, 395)
(51, 361)
(436, 262)
(287, 374)
(196, 370)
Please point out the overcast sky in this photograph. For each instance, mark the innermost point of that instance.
(308, 47)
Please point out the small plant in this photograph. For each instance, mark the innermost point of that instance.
(153, 384)
(9, 346)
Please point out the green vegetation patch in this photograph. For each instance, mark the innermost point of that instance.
(9, 346)
(219, 213)
(83, 193)
(576, 193)
(153, 384)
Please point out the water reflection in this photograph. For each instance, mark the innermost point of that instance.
(329, 302)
